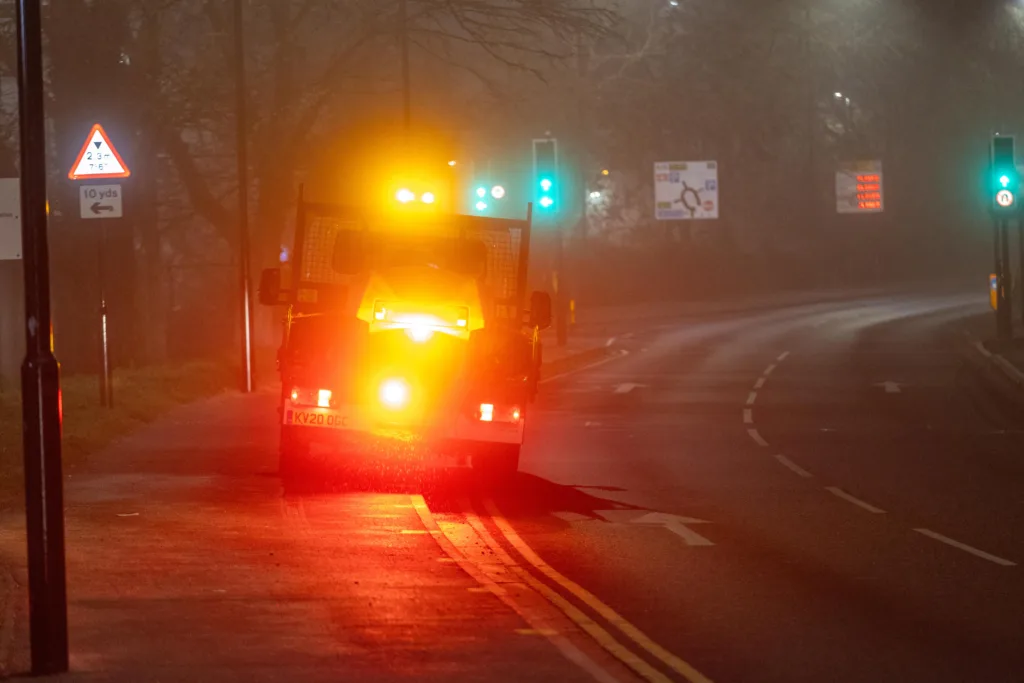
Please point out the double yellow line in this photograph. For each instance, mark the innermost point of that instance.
(450, 543)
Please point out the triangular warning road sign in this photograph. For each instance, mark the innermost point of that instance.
(98, 158)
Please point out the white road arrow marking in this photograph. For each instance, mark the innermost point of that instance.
(677, 525)
(890, 387)
(627, 387)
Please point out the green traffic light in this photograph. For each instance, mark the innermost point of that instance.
(1004, 180)
(547, 202)
(546, 184)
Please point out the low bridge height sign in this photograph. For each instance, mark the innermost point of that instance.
(859, 187)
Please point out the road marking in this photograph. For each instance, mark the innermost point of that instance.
(786, 462)
(835, 490)
(530, 615)
(890, 387)
(622, 354)
(536, 632)
(759, 384)
(676, 525)
(588, 625)
(627, 387)
(676, 663)
(783, 356)
(966, 548)
(758, 439)
(748, 416)
(770, 369)
(569, 516)
(751, 398)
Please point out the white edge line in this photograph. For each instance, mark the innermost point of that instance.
(770, 369)
(835, 490)
(748, 416)
(751, 398)
(786, 462)
(966, 548)
(982, 350)
(759, 384)
(783, 356)
(758, 439)
(622, 353)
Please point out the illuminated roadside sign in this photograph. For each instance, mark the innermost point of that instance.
(98, 158)
(685, 190)
(859, 187)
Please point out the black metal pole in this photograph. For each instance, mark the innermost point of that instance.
(1020, 250)
(403, 18)
(106, 384)
(40, 373)
(997, 268)
(1006, 281)
(245, 285)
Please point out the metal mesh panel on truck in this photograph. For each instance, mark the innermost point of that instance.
(320, 234)
(503, 240)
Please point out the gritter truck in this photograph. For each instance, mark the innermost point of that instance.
(406, 330)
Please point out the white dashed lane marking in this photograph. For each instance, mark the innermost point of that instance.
(758, 439)
(836, 491)
(966, 548)
(786, 462)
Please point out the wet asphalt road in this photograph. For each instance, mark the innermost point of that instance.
(816, 493)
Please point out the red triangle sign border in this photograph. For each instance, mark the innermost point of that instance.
(88, 139)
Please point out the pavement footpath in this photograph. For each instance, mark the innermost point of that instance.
(999, 362)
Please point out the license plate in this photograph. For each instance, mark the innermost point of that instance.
(317, 418)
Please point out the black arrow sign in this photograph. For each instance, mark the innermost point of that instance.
(97, 208)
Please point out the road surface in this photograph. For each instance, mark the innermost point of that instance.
(815, 493)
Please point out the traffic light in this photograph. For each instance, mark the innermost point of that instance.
(484, 195)
(1005, 181)
(545, 175)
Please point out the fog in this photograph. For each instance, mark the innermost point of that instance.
(779, 94)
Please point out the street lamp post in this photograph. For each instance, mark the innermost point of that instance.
(40, 373)
(245, 286)
(403, 19)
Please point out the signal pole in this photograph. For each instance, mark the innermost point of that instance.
(1020, 249)
(1005, 282)
(40, 373)
(1005, 184)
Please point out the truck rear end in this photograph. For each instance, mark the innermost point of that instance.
(406, 337)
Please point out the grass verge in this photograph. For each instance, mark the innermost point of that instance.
(140, 396)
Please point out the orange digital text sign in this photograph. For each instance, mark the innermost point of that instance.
(869, 191)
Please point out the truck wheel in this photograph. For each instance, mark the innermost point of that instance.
(293, 456)
(499, 462)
